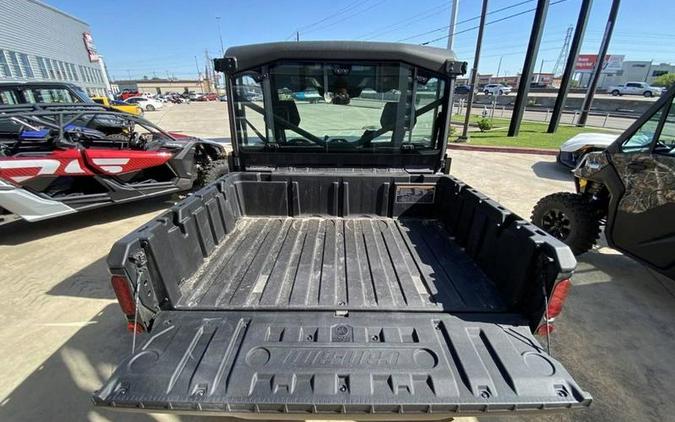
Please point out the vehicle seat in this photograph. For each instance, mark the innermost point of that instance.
(288, 111)
(387, 122)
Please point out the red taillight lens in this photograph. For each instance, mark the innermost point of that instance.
(123, 293)
(135, 327)
(545, 329)
(558, 297)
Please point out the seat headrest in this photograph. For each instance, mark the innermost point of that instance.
(287, 110)
(388, 117)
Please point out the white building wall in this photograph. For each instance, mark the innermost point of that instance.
(48, 45)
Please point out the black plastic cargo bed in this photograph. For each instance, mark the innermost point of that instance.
(403, 296)
(336, 263)
(398, 364)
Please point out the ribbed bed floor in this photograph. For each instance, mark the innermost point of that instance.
(351, 264)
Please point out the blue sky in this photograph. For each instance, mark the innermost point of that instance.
(156, 37)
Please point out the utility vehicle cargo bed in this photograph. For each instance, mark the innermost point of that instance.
(336, 263)
(407, 296)
(402, 365)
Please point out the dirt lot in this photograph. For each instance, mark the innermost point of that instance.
(63, 333)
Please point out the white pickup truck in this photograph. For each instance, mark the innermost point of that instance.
(635, 88)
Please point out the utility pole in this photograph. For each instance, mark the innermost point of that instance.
(541, 67)
(129, 74)
(220, 36)
(499, 66)
(297, 36)
(474, 71)
(568, 73)
(207, 71)
(528, 66)
(597, 69)
(453, 23)
(451, 44)
(199, 74)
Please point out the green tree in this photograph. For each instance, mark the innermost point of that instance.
(665, 81)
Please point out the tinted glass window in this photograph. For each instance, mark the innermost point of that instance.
(666, 142)
(8, 97)
(16, 68)
(43, 67)
(50, 95)
(641, 140)
(362, 107)
(27, 68)
(4, 66)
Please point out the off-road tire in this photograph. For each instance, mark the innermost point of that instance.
(211, 172)
(583, 223)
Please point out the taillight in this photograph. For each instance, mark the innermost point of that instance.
(555, 305)
(545, 329)
(123, 292)
(558, 297)
(135, 326)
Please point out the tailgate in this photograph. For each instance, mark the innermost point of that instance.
(302, 363)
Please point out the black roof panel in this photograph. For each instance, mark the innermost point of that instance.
(431, 58)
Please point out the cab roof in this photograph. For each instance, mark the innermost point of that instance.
(241, 58)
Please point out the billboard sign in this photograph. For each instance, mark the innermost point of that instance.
(90, 47)
(612, 64)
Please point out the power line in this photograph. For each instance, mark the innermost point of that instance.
(465, 21)
(345, 9)
(347, 17)
(491, 22)
(431, 12)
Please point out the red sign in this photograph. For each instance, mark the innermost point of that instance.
(586, 62)
(90, 47)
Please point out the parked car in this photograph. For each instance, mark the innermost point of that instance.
(209, 96)
(463, 89)
(311, 95)
(123, 106)
(635, 88)
(573, 150)
(332, 271)
(147, 104)
(629, 188)
(12, 93)
(128, 93)
(496, 89)
(62, 159)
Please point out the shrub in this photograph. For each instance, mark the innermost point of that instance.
(484, 124)
(665, 81)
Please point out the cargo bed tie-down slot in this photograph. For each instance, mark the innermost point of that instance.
(340, 263)
(314, 362)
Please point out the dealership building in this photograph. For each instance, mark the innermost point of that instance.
(41, 43)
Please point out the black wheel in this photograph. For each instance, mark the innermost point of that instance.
(150, 107)
(570, 218)
(647, 94)
(210, 172)
(615, 92)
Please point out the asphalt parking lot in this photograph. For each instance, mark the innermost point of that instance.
(63, 332)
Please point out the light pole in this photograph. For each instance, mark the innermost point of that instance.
(541, 67)
(220, 36)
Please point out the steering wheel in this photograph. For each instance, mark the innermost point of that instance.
(340, 141)
(299, 141)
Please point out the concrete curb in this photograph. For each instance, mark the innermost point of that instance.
(513, 150)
